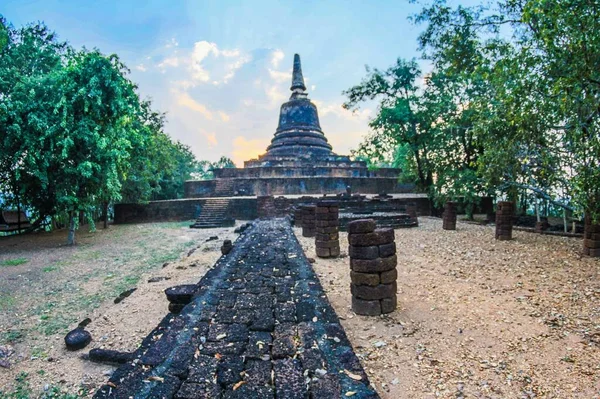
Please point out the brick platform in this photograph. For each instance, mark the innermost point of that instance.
(308, 220)
(373, 268)
(449, 218)
(327, 237)
(505, 212)
(259, 326)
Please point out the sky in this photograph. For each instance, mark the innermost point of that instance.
(220, 70)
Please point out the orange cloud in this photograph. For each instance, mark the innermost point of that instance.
(245, 149)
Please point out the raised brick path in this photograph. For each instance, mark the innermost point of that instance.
(260, 326)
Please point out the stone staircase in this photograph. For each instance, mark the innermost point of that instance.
(224, 187)
(214, 214)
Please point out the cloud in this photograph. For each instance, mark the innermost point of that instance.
(141, 68)
(184, 99)
(245, 149)
(275, 96)
(211, 138)
(204, 62)
(280, 76)
(277, 57)
(337, 110)
(224, 117)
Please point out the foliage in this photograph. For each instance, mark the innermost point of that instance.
(510, 106)
(74, 134)
(205, 169)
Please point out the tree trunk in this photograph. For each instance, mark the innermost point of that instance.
(537, 210)
(105, 214)
(566, 228)
(71, 236)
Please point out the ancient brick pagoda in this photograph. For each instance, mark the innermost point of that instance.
(298, 161)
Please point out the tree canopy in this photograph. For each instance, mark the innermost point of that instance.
(74, 133)
(511, 105)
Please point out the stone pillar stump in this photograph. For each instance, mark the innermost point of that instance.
(327, 237)
(308, 220)
(373, 264)
(591, 238)
(298, 216)
(449, 217)
(505, 211)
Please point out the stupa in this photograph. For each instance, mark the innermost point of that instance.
(298, 161)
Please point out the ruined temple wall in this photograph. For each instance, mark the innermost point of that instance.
(294, 186)
(248, 208)
(305, 171)
(179, 210)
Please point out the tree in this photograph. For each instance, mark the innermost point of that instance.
(205, 168)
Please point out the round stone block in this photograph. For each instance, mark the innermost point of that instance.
(386, 250)
(327, 244)
(181, 293)
(361, 226)
(176, 307)
(388, 277)
(323, 252)
(335, 252)
(388, 305)
(591, 243)
(363, 252)
(371, 279)
(366, 308)
(326, 236)
(374, 265)
(77, 339)
(373, 292)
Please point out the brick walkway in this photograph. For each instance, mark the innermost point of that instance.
(259, 327)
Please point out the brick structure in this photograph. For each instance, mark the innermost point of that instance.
(505, 211)
(373, 264)
(298, 215)
(327, 236)
(258, 325)
(308, 220)
(449, 218)
(591, 238)
(541, 226)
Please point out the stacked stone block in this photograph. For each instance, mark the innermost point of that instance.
(327, 236)
(591, 238)
(505, 211)
(298, 215)
(373, 264)
(541, 226)
(449, 219)
(308, 220)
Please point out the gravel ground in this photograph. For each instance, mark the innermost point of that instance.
(58, 286)
(476, 317)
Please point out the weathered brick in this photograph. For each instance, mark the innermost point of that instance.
(374, 265)
(386, 250)
(364, 278)
(388, 305)
(389, 277)
(366, 308)
(361, 226)
(371, 293)
(363, 252)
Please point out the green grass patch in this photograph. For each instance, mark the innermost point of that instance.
(14, 262)
(22, 390)
(11, 336)
(6, 302)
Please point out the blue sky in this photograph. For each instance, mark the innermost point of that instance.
(221, 69)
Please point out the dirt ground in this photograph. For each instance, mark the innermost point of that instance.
(476, 317)
(57, 286)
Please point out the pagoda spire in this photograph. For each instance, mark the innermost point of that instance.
(298, 87)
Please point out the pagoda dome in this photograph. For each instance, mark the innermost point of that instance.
(299, 132)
